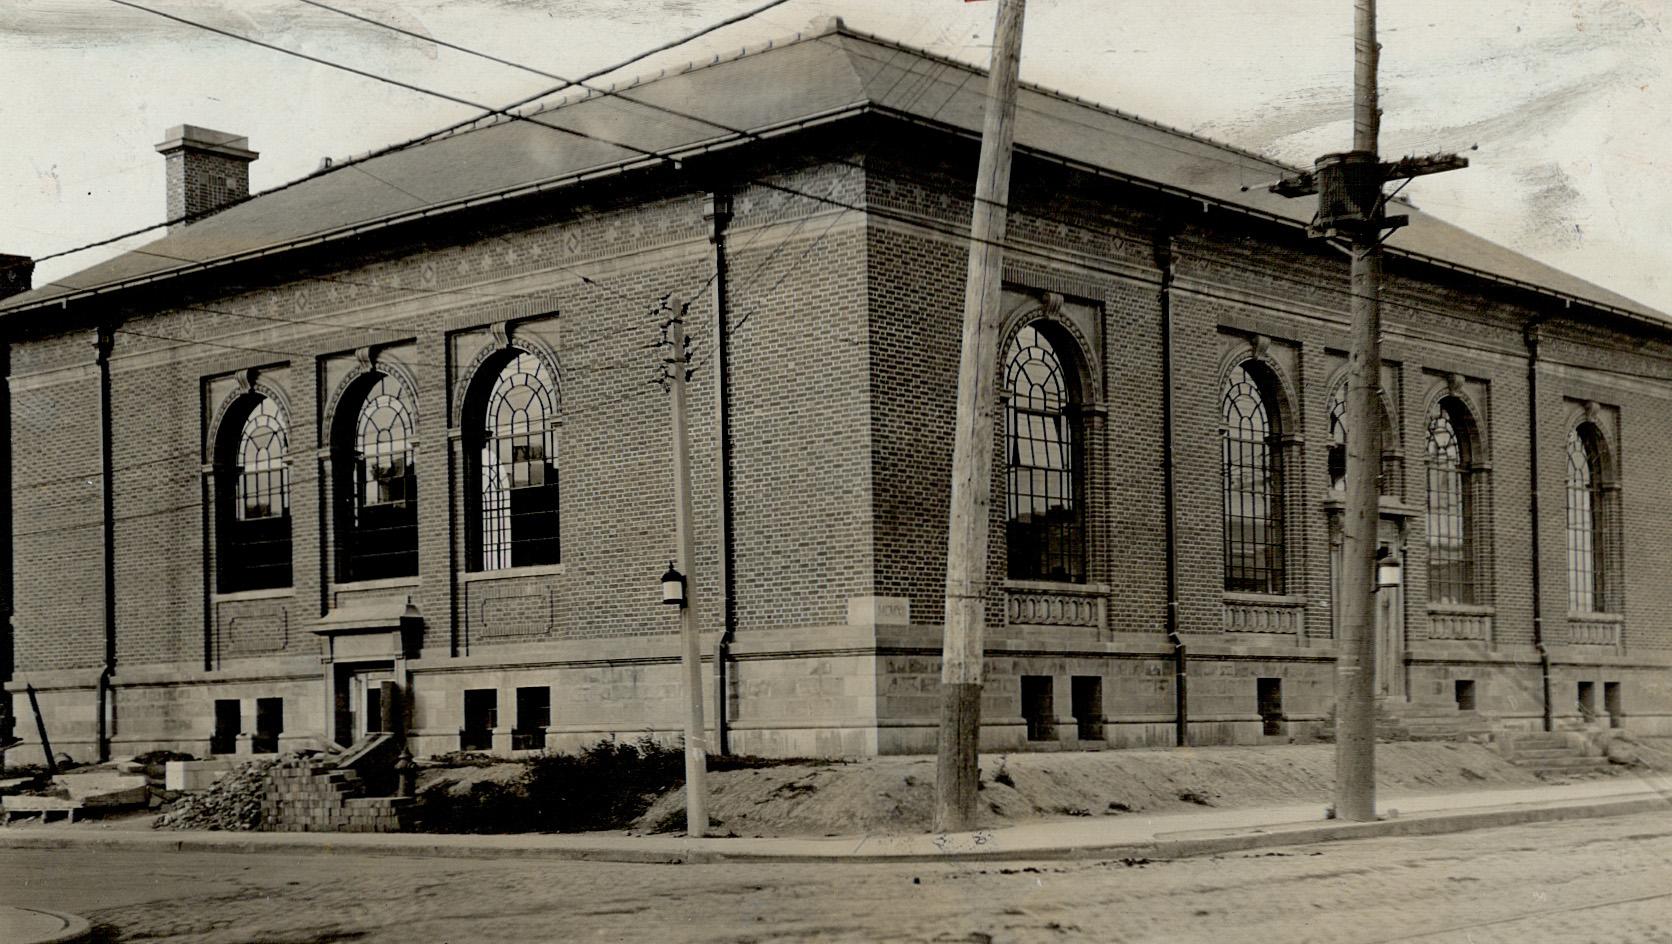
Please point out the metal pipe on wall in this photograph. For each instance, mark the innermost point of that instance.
(1529, 334)
(718, 212)
(1181, 692)
(104, 340)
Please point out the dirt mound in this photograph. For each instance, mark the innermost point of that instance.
(894, 795)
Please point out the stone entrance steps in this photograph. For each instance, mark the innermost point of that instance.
(1407, 721)
(1552, 754)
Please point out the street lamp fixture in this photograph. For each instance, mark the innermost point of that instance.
(1387, 569)
(673, 587)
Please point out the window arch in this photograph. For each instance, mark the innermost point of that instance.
(1452, 543)
(1589, 475)
(1388, 472)
(513, 449)
(1045, 530)
(254, 498)
(377, 523)
(1253, 482)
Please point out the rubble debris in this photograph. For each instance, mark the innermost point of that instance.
(233, 803)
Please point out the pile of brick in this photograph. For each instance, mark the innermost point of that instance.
(232, 803)
(304, 795)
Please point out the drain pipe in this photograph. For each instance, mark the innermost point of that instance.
(1529, 334)
(105, 340)
(1181, 690)
(718, 213)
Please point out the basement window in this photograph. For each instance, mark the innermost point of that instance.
(1269, 692)
(1038, 707)
(1588, 700)
(481, 716)
(1465, 692)
(1087, 694)
(1611, 704)
(534, 715)
(229, 723)
(269, 724)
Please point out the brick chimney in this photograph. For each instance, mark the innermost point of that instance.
(206, 170)
(16, 274)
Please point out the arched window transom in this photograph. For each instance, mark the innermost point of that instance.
(1253, 508)
(1387, 473)
(262, 479)
(518, 468)
(1045, 533)
(252, 483)
(377, 487)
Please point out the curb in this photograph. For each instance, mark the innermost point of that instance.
(987, 849)
(41, 926)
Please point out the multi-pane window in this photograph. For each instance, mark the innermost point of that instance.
(378, 522)
(254, 519)
(1586, 521)
(1451, 565)
(517, 465)
(1253, 492)
(1045, 534)
(1387, 473)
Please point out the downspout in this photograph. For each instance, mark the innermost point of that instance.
(1529, 334)
(718, 213)
(8, 657)
(1181, 691)
(105, 339)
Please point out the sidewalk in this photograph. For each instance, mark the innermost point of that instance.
(1169, 836)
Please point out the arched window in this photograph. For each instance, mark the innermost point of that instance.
(1045, 533)
(1451, 526)
(1253, 487)
(515, 448)
(377, 486)
(254, 505)
(1587, 521)
(1387, 474)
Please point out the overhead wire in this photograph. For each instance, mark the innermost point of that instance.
(346, 163)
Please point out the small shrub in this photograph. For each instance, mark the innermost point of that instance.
(605, 786)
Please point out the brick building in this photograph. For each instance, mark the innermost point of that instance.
(386, 433)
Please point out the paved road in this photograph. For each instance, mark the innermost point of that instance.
(1603, 880)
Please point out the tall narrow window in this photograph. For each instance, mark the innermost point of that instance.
(1387, 473)
(1252, 488)
(1451, 552)
(254, 516)
(517, 510)
(1586, 521)
(377, 487)
(1045, 535)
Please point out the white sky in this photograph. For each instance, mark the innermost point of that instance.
(1568, 100)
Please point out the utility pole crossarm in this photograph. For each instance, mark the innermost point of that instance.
(1305, 183)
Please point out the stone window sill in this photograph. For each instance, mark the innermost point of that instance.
(272, 593)
(539, 570)
(388, 583)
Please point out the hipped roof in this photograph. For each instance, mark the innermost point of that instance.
(761, 91)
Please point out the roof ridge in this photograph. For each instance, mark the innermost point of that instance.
(1047, 91)
(591, 89)
(831, 26)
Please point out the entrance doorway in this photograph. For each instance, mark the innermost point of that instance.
(1389, 609)
(359, 699)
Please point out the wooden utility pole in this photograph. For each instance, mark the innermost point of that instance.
(957, 768)
(1351, 204)
(1355, 661)
(696, 755)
